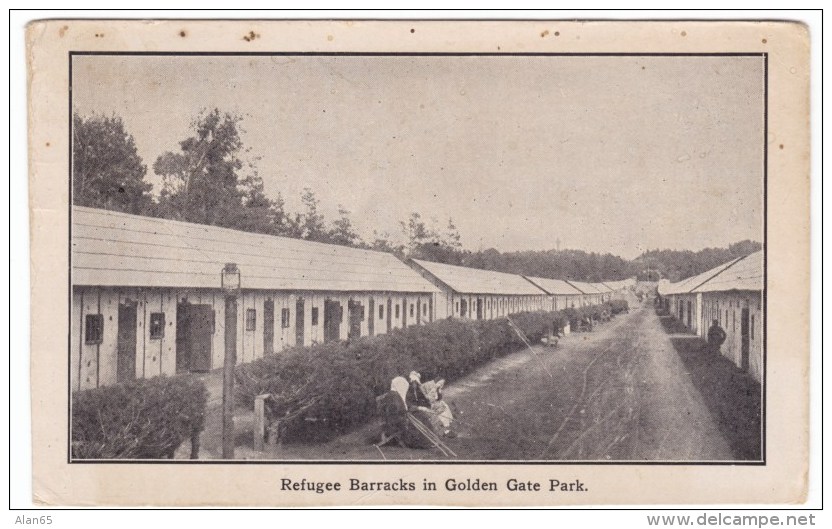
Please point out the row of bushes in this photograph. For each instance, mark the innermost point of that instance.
(617, 306)
(141, 419)
(335, 384)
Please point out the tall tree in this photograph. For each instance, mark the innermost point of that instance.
(452, 237)
(382, 243)
(107, 171)
(416, 232)
(283, 223)
(311, 224)
(342, 231)
(201, 182)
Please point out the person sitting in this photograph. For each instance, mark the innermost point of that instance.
(393, 410)
(442, 415)
(415, 396)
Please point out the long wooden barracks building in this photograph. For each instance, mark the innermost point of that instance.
(480, 294)
(732, 294)
(148, 296)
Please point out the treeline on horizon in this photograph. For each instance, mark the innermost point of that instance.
(212, 179)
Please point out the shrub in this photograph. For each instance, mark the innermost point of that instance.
(617, 306)
(573, 315)
(330, 387)
(142, 419)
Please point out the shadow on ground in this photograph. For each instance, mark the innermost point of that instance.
(733, 397)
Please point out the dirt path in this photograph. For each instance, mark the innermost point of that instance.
(618, 393)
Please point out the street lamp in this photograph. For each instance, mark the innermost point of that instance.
(230, 282)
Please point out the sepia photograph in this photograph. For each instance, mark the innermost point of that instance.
(345, 262)
(387, 257)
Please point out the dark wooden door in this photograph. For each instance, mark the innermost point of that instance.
(183, 337)
(194, 328)
(690, 316)
(332, 321)
(430, 308)
(268, 327)
(745, 345)
(300, 315)
(389, 314)
(126, 358)
(201, 324)
(371, 321)
(356, 314)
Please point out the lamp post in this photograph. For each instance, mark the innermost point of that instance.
(230, 281)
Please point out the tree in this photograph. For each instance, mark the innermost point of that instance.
(210, 180)
(416, 233)
(382, 243)
(311, 225)
(452, 237)
(342, 231)
(107, 171)
(283, 223)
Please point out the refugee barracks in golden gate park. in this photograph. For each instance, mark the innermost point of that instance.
(730, 294)
(147, 296)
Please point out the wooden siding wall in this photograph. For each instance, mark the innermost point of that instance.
(727, 308)
(494, 306)
(678, 301)
(94, 365)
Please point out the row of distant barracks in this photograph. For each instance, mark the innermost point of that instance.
(147, 297)
(732, 295)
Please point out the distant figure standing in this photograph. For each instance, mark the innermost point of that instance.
(716, 337)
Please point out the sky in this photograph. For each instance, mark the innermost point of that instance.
(604, 154)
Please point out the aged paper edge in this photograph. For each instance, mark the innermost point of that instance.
(783, 479)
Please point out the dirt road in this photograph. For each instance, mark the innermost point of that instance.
(619, 393)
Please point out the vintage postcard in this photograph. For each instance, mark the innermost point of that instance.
(294, 263)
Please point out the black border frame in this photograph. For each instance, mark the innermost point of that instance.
(763, 408)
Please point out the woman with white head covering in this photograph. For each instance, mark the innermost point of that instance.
(400, 386)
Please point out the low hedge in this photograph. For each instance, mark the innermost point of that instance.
(617, 306)
(333, 386)
(141, 419)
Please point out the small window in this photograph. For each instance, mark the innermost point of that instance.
(213, 322)
(411, 310)
(425, 310)
(752, 327)
(314, 315)
(284, 318)
(456, 309)
(381, 312)
(157, 325)
(251, 319)
(94, 328)
(398, 312)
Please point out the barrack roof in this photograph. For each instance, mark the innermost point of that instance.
(557, 287)
(745, 274)
(585, 288)
(466, 280)
(118, 249)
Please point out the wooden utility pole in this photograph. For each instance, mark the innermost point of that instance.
(230, 282)
(228, 376)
